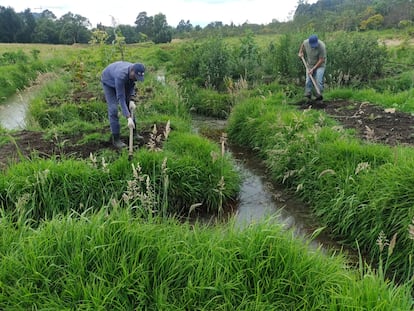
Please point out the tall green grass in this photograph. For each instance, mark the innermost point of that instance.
(109, 260)
(401, 100)
(197, 170)
(93, 253)
(21, 64)
(359, 190)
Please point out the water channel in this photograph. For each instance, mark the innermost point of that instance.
(13, 111)
(259, 198)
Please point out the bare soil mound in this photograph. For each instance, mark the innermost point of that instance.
(25, 144)
(371, 123)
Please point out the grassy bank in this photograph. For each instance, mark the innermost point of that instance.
(110, 260)
(21, 64)
(361, 191)
(87, 234)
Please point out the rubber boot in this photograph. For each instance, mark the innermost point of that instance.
(117, 142)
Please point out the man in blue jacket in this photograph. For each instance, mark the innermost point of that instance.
(118, 82)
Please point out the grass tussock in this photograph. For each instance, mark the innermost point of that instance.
(358, 190)
(109, 260)
(95, 233)
(189, 170)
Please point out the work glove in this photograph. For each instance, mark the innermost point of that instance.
(132, 105)
(131, 124)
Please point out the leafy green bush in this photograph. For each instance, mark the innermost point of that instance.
(281, 58)
(394, 84)
(207, 63)
(248, 62)
(10, 58)
(354, 58)
(208, 102)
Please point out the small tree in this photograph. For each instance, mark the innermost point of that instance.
(355, 57)
(162, 33)
(74, 29)
(373, 22)
(99, 38)
(248, 58)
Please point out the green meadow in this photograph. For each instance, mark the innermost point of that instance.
(107, 233)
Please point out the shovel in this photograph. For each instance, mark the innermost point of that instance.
(311, 76)
(131, 139)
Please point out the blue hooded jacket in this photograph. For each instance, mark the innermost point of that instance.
(116, 75)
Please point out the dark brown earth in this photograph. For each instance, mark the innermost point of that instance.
(371, 123)
(30, 143)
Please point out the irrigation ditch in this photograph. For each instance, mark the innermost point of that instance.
(258, 199)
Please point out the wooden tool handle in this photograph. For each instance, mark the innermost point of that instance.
(315, 84)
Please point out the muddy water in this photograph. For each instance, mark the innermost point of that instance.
(259, 198)
(13, 111)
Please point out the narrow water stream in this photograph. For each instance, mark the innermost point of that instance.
(259, 198)
(13, 111)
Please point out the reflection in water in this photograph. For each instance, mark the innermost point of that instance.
(260, 198)
(13, 111)
(255, 201)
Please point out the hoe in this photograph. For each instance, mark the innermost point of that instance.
(131, 139)
(311, 77)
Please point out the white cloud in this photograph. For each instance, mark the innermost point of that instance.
(198, 12)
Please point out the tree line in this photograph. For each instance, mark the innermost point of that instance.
(45, 27)
(322, 16)
(355, 15)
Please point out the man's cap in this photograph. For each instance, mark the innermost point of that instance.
(313, 41)
(139, 70)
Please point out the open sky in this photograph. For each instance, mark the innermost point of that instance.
(198, 12)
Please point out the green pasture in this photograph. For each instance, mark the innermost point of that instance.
(109, 233)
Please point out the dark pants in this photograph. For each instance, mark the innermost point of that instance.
(112, 102)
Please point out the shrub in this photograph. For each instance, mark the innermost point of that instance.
(207, 63)
(354, 58)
